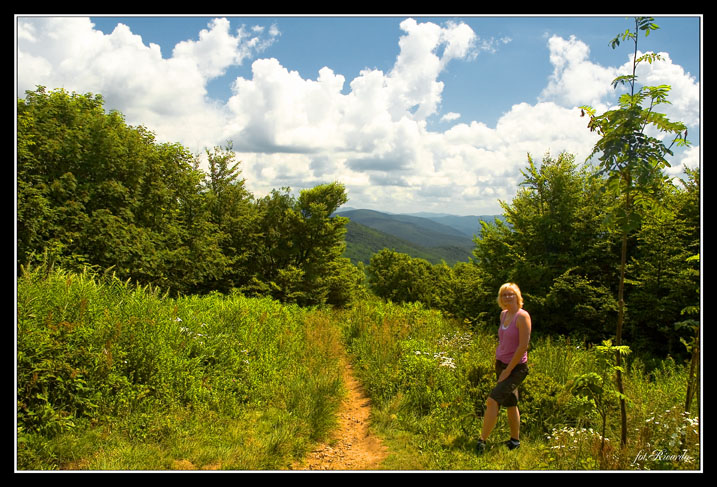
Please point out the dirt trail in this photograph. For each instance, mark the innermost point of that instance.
(352, 446)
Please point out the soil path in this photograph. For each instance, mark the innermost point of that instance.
(352, 446)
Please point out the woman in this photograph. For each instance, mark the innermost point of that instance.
(511, 365)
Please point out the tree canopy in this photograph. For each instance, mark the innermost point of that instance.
(94, 191)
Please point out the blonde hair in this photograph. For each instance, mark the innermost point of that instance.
(513, 287)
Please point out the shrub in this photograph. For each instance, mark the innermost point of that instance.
(544, 403)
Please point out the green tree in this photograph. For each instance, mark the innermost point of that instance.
(401, 278)
(495, 253)
(51, 208)
(95, 191)
(299, 243)
(662, 276)
(319, 236)
(552, 242)
(391, 276)
(194, 255)
(630, 158)
(692, 344)
(467, 294)
(345, 282)
(548, 217)
(583, 303)
(231, 209)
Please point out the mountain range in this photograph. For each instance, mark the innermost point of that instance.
(434, 237)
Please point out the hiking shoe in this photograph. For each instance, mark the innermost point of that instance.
(480, 446)
(512, 444)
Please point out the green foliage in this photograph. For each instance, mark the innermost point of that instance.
(597, 386)
(400, 278)
(551, 241)
(300, 244)
(557, 245)
(97, 352)
(592, 304)
(95, 191)
(116, 376)
(546, 403)
(428, 377)
(567, 274)
(631, 159)
(92, 190)
(147, 213)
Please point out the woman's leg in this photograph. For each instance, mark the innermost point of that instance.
(514, 422)
(490, 418)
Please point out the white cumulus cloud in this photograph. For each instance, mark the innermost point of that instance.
(168, 95)
(576, 80)
(370, 132)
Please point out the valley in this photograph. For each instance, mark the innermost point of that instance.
(430, 236)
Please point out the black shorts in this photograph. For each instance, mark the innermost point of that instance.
(506, 393)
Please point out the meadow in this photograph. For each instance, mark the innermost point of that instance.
(116, 376)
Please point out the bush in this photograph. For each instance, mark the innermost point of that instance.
(545, 404)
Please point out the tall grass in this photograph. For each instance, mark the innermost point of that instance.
(116, 376)
(429, 378)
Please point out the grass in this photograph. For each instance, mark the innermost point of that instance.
(113, 376)
(429, 408)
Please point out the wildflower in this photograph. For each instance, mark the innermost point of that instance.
(448, 362)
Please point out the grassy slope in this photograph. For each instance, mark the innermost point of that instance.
(116, 377)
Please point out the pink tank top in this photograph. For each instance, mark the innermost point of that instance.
(508, 340)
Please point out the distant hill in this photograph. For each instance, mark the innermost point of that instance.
(432, 237)
(363, 242)
(467, 225)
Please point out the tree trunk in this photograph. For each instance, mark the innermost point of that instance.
(618, 338)
(621, 310)
(692, 380)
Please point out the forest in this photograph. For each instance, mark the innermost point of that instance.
(95, 192)
(165, 313)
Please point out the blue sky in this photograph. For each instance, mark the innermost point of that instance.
(411, 114)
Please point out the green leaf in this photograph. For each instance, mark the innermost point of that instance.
(623, 80)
